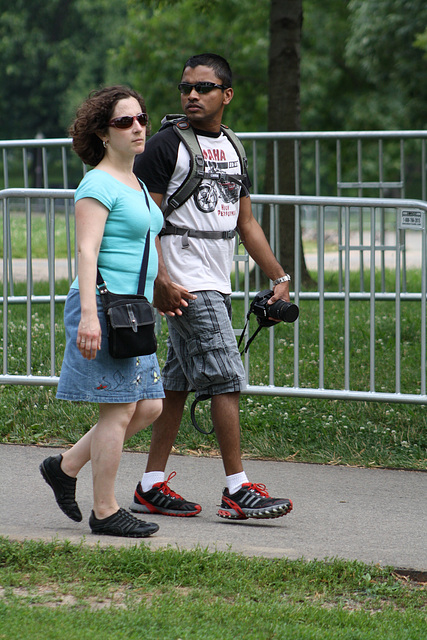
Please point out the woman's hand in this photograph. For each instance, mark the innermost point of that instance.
(89, 337)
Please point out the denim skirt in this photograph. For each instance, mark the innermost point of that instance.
(104, 379)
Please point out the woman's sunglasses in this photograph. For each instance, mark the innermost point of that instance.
(125, 122)
(201, 87)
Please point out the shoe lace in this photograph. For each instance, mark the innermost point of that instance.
(259, 488)
(164, 488)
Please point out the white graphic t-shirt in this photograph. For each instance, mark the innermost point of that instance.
(206, 263)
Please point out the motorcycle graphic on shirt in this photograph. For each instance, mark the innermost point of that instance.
(217, 185)
(206, 198)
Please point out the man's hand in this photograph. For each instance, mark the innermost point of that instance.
(169, 297)
(280, 292)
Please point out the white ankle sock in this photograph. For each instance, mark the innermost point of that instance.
(234, 482)
(150, 478)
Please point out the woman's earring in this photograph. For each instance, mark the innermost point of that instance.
(105, 142)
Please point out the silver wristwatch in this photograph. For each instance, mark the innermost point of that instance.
(284, 278)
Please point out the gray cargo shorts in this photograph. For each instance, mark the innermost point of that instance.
(202, 349)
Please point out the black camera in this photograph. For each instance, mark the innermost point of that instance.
(279, 310)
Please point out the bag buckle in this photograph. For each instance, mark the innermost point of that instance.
(102, 288)
(132, 318)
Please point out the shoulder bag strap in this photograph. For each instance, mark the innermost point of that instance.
(144, 264)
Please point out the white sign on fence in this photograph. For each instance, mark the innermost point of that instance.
(411, 219)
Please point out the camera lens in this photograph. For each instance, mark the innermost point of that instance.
(285, 311)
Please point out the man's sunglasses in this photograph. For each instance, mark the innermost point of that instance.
(125, 122)
(201, 87)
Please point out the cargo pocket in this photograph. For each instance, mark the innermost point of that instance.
(211, 364)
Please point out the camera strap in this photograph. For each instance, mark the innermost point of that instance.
(207, 396)
(251, 339)
(193, 414)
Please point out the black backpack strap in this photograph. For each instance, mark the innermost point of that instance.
(172, 230)
(240, 149)
(196, 173)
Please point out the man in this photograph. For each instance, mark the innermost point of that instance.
(193, 290)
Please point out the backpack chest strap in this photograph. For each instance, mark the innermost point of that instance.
(172, 230)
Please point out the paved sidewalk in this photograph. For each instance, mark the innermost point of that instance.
(371, 515)
(413, 259)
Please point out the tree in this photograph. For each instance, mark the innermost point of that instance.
(284, 62)
(159, 36)
(358, 65)
(329, 87)
(383, 46)
(52, 54)
(261, 40)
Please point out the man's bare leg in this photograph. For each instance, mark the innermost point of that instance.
(153, 494)
(165, 430)
(226, 421)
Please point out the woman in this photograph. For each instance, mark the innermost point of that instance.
(112, 221)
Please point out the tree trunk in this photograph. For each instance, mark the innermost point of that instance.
(286, 17)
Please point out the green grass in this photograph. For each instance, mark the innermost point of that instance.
(308, 430)
(18, 226)
(55, 590)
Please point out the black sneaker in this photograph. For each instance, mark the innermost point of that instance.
(252, 501)
(161, 499)
(64, 487)
(122, 524)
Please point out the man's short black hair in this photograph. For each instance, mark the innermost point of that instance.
(215, 62)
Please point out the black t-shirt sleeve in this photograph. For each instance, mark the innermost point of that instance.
(156, 164)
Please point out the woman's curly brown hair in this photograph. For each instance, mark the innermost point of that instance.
(92, 118)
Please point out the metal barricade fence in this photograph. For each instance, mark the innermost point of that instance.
(39, 163)
(404, 215)
(340, 163)
(355, 163)
(32, 202)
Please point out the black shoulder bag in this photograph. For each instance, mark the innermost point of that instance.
(130, 318)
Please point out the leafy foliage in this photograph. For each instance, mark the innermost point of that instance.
(53, 54)
(362, 64)
(382, 46)
(174, 31)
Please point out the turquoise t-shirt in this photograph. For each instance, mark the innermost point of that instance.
(126, 227)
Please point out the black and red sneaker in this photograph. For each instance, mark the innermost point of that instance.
(162, 499)
(252, 501)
